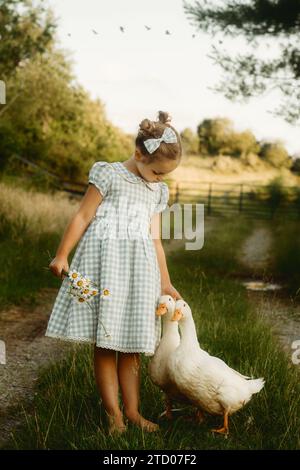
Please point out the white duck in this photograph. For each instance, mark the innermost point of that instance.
(170, 340)
(207, 381)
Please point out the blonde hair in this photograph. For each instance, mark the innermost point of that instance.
(153, 130)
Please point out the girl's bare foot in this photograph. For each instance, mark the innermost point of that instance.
(116, 424)
(145, 424)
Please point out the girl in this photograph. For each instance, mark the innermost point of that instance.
(131, 271)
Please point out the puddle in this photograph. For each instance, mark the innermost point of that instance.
(261, 285)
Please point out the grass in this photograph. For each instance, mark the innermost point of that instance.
(286, 254)
(31, 224)
(67, 413)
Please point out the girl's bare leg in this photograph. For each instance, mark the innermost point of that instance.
(105, 368)
(129, 378)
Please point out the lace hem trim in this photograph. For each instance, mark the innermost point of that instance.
(91, 341)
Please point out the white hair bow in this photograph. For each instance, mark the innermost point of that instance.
(168, 136)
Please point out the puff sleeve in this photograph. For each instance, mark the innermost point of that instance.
(164, 198)
(100, 175)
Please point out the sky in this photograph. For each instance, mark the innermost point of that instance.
(139, 72)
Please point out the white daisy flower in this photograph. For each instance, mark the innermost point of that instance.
(79, 283)
(86, 291)
(73, 274)
(105, 293)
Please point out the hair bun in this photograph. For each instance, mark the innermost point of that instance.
(164, 117)
(147, 126)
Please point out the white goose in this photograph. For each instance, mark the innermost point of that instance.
(170, 340)
(206, 381)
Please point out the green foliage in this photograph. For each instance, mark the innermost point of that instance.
(190, 142)
(296, 165)
(243, 144)
(286, 253)
(57, 124)
(218, 137)
(25, 29)
(214, 135)
(49, 118)
(274, 24)
(276, 193)
(275, 154)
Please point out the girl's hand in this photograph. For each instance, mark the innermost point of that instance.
(57, 265)
(168, 289)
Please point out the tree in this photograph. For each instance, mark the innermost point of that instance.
(249, 74)
(49, 118)
(296, 165)
(276, 154)
(190, 142)
(215, 136)
(25, 29)
(243, 143)
(55, 122)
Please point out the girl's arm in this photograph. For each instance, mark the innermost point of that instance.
(166, 285)
(75, 229)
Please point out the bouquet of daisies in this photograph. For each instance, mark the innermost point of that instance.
(83, 289)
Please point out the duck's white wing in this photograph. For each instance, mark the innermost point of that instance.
(216, 361)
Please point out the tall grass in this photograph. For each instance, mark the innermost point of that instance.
(31, 224)
(286, 254)
(67, 412)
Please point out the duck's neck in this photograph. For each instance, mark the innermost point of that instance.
(170, 328)
(188, 333)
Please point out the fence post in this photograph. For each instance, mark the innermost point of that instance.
(209, 208)
(241, 199)
(177, 192)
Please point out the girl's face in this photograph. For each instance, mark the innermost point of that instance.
(155, 171)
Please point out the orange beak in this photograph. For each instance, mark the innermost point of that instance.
(161, 310)
(177, 315)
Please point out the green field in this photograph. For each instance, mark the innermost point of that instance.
(67, 413)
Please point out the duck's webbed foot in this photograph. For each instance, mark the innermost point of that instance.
(224, 429)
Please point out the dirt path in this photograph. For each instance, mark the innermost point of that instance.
(256, 250)
(27, 349)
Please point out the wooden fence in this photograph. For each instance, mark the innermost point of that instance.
(219, 199)
(250, 199)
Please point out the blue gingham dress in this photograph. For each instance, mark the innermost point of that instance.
(117, 252)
